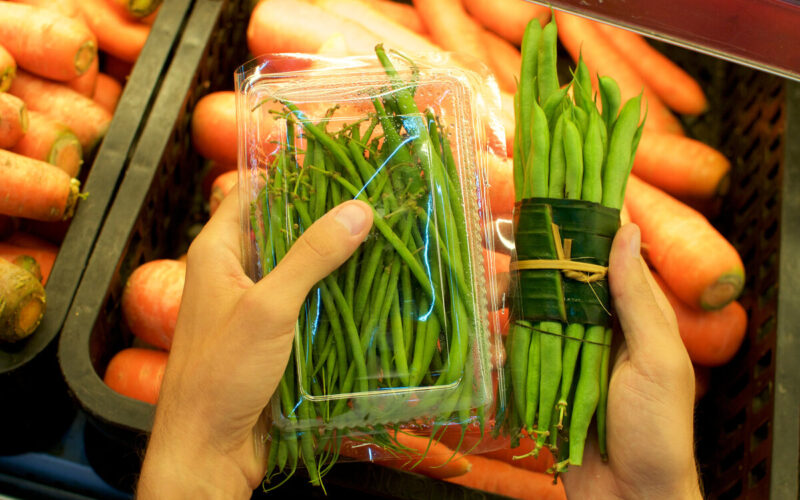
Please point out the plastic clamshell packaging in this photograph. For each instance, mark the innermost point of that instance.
(398, 336)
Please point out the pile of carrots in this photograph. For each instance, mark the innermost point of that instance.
(699, 271)
(55, 108)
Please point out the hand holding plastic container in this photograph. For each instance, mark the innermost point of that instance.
(396, 341)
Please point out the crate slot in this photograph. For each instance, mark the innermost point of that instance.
(757, 473)
(760, 435)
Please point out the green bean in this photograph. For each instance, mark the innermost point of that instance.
(573, 154)
(398, 343)
(366, 279)
(283, 454)
(620, 146)
(547, 74)
(611, 99)
(572, 347)
(408, 309)
(582, 87)
(351, 269)
(520, 341)
(538, 169)
(550, 377)
(602, 404)
(557, 162)
(593, 156)
(554, 106)
(272, 456)
(336, 327)
(532, 380)
(517, 161)
(587, 393)
(581, 119)
(527, 90)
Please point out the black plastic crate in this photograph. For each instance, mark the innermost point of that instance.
(752, 399)
(31, 384)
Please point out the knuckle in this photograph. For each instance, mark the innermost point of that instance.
(318, 245)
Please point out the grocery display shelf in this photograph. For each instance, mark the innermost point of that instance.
(30, 378)
(762, 34)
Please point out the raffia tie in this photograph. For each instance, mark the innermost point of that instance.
(579, 271)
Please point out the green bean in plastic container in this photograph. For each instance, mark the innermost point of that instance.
(396, 342)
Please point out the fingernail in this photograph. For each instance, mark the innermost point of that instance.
(636, 242)
(353, 217)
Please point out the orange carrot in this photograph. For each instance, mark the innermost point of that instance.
(151, 300)
(117, 68)
(116, 35)
(8, 69)
(23, 301)
(87, 120)
(87, 82)
(213, 170)
(268, 31)
(505, 60)
(673, 85)
(394, 34)
(501, 186)
(681, 166)
(499, 448)
(24, 244)
(46, 42)
(138, 8)
(436, 460)
(507, 120)
(214, 132)
(697, 263)
(581, 36)
(29, 264)
(13, 120)
(401, 13)
(107, 92)
(51, 142)
(223, 185)
(507, 18)
(499, 321)
(501, 478)
(711, 337)
(137, 373)
(63, 7)
(34, 189)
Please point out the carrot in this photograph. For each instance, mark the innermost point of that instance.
(507, 120)
(582, 37)
(695, 261)
(137, 373)
(373, 20)
(64, 7)
(151, 300)
(451, 28)
(507, 18)
(34, 189)
(223, 185)
(673, 85)
(501, 478)
(501, 186)
(24, 244)
(87, 82)
(436, 460)
(214, 132)
(45, 42)
(500, 449)
(29, 264)
(8, 69)
(51, 142)
(116, 35)
(138, 8)
(87, 120)
(711, 337)
(13, 120)
(681, 166)
(505, 60)
(268, 31)
(107, 92)
(23, 299)
(499, 321)
(117, 68)
(400, 13)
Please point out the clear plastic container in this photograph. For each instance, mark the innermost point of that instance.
(398, 337)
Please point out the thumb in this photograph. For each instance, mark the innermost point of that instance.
(321, 249)
(646, 318)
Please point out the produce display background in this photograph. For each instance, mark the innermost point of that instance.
(30, 379)
(735, 423)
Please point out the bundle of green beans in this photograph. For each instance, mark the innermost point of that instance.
(400, 313)
(565, 149)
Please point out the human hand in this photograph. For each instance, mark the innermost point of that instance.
(231, 346)
(650, 397)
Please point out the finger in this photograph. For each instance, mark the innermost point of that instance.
(321, 249)
(661, 299)
(223, 231)
(641, 317)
